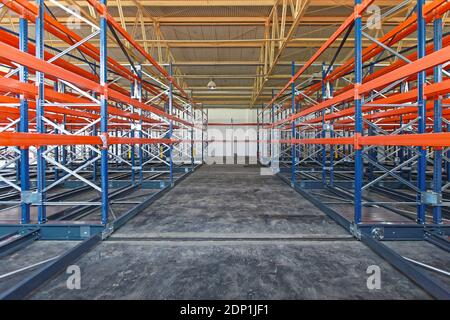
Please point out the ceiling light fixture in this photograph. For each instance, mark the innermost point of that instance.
(212, 85)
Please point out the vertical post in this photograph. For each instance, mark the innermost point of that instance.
(93, 155)
(293, 134)
(192, 133)
(23, 125)
(171, 122)
(332, 135)
(447, 163)
(41, 176)
(119, 148)
(373, 153)
(104, 114)
(257, 135)
(358, 117)
(262, 138)
(298, 147)
(64, 148)
(17, 162)
(141, 151)
(203, 135)
(272, 134)
(437, 170)
(134, 88)
(56, 169)
(324, 132)
(421, 164)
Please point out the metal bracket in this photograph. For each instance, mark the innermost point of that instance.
(328, 127)
(378, 233)
(431, 198)
(109, 229)
(136, 126)
(30, 197)
(355, 231)
(85, 231)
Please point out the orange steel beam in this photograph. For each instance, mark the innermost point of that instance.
(29, 11)
(235, 124)
(26, 140)
(349, 21)
(30, 91)
(430, 10)
(430, 48)
(430, 61)
(430, 91)
(103, 11)
(28, 60)
(358, 141)
(13, 41)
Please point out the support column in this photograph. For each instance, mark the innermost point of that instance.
(332, 135)
(40, 100)
(359, 165)
(104, 114)
(134, 95)
(437, 171)
(23, 125)
(293, 134)
(272, 131)
(324, 132)
(171, 122)
(422, 162)
(140, 135)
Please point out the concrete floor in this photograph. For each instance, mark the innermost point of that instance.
(227, 232)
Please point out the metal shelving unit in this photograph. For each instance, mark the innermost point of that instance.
(103, 128)
(377, 123)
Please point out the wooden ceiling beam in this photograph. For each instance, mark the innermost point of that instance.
(194, 21)
(276, 29)
(250, 43)
(235, 3)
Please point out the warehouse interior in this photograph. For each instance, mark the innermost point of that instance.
(222, 149)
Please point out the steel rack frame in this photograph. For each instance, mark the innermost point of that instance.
(104, 128)
(358, 130)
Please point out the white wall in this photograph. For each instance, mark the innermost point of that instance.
(218, 149)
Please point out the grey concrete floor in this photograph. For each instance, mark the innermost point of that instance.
(31, 255)
(227, 232)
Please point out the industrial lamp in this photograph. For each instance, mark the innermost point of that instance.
(212, 85)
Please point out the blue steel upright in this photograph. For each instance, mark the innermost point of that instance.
(437, 174)
(324, 132)
(332, 135)
(272, 131)
(133, 92)
(422, 162)
(104, 115)
(23, 125)
(293, 134)
(140, 135)
(171, 124)
(40, 126)
(359, 173)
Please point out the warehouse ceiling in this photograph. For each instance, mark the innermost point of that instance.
(245, 47)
